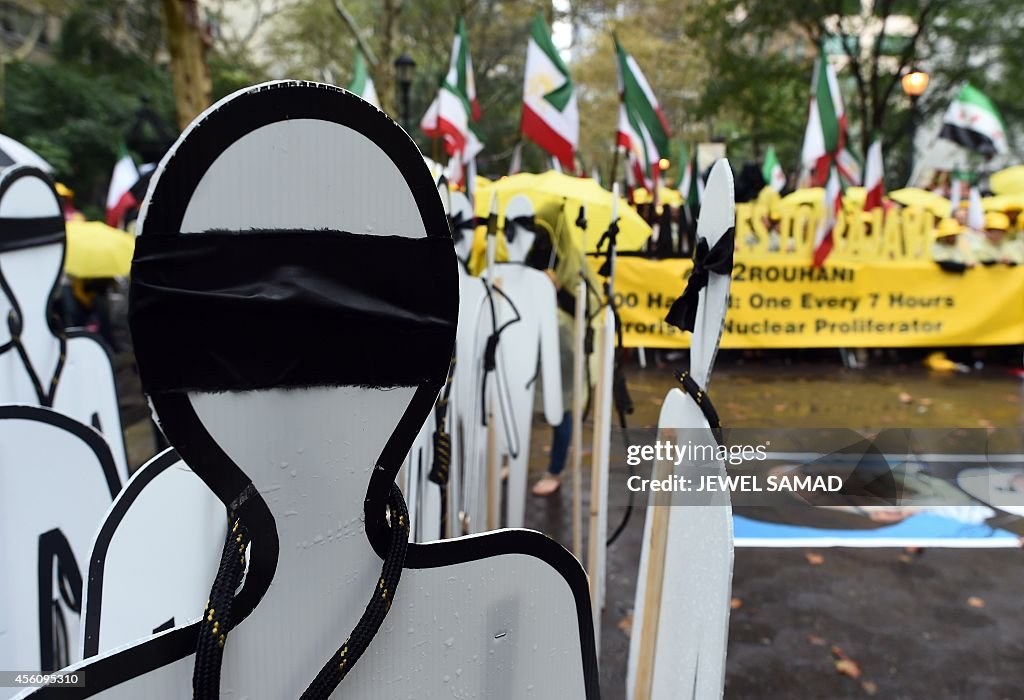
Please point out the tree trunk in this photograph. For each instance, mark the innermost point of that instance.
(387, 53)
(187, 46)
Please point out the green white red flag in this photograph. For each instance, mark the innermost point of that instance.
(772, 171)
(119, 194)
(362, 82)
(643, 130)
(550, 116)
(874, 176)
(825, 136)
(456, 105)
(823, 236)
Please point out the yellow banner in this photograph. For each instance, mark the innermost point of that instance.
(787, 304)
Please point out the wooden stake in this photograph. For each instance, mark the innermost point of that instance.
(659, 515)
(578, 389)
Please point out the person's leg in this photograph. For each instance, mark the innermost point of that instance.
(561, 437)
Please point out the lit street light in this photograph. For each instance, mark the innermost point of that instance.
(914, 83)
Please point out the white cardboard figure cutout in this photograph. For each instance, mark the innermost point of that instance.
(527, 354)
(57, 478)
(500, 615)
(154, 556)
(468, 505)
(681, 612)
(31, 267)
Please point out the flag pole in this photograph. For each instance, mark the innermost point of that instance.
(615, 165)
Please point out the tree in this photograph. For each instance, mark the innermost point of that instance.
(187, 42)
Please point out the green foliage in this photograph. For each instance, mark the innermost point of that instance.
(77, 108)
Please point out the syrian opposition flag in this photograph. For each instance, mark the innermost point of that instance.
(874, 176)
(119, 194)
(973, 121)
(825, 137)
(772, 170)
(362, 83)
(456, 105)
(550, 117)
(823, 240)
(643, 130)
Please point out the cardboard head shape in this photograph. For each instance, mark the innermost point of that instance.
(294, 319)
(31, 255)
(519, 223)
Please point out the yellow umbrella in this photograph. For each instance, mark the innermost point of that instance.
(549, 191)
(1003, 202)
(96, 250)
(1008, 181)
(922, 199)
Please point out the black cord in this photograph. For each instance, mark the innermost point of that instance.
(217, 619)
(491, 363)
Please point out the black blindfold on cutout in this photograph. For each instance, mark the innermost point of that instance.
(20, 234)
(238, 311)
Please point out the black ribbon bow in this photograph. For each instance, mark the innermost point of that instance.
(611, 237)
(683, 314)
(461, 225)
(512, 226)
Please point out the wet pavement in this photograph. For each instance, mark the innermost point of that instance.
(925, 624)
(935, 623)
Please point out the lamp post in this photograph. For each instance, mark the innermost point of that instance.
(405, 66)
(914, 83)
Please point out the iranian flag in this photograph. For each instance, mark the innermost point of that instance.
(691, 186)
(550, 117)
(874, 176)
(825, 137)
(973, 121)
(362, 83)
(643, 130)
(848, 162)
(772, 170)
(823, 239)
(119, 194)
(456, 105)
(685, 171)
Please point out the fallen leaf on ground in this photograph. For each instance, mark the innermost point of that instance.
(925, 402)
(816, 640)
(870, 687)
(844, 664)
(626, 624)
(848, 667)
(905, 558)
(779, 407)
(904, 397)
(814, 559)
(736, 603)
(976, 602)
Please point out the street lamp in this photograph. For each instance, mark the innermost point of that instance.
(405, 66)
(914, 83)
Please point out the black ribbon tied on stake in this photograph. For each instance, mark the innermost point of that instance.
(512, 227)
(610, 237)
(19, 234)
(683, 314)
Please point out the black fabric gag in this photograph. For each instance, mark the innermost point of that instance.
(231, 311)
(683, 314)
(19, 234)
